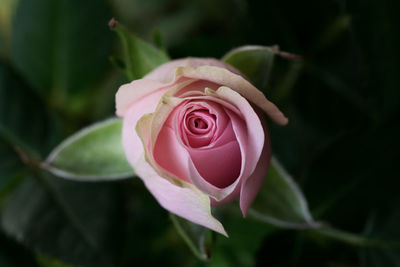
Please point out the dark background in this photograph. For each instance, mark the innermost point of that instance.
(342, 144)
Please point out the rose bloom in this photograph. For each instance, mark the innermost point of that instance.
(194, 132)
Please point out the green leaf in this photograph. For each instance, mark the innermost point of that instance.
(255, 62)
(158, 39)
(140, 57)
(193, 235)
(74, 222)
(280, 201)
(92, 154)
(61, 49)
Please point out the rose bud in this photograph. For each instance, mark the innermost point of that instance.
(194, 133)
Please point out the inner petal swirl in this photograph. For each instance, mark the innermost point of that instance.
(199, 122)
(198, 126)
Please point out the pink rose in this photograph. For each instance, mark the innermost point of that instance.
(193, 133)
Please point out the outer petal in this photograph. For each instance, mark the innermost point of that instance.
(143, 129)
(131, 142)
(237, 83)
(221, 166)
(252, 184)
(213, 191)
(251, 135)
(166, 72)
(252, 138)
(183, 199)
(170, 155)
(130, 93)
(248, 189)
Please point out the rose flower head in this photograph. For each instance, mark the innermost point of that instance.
(194, 132)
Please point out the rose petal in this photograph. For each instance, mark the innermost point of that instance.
(249, 189)
(130, 93)
(206, 69)
(131, 142)
(250, 133)
(220, 166)
(237, 83)
(251, 138)
(231, 197)
(166, 72)
(216, 136)
(165, 107)
(170, 155)
(186, 202)
(197, 168)
(143, 129)
(206, 187)
(198, 125)
(252, 184)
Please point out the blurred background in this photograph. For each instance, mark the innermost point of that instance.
(342, 144)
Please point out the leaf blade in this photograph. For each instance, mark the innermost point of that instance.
(140, 57)
(280, 201)
(39, 216)
(254, 61)
(193, 235)
(93, 154)
(60, 50)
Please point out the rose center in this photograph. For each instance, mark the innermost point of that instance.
(198, 126)
(199, 123)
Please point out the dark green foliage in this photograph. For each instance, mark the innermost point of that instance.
(63, 219)
(24, 118)
(61, 47)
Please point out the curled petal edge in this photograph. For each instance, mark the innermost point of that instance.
(129, 93)
(237, 83)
